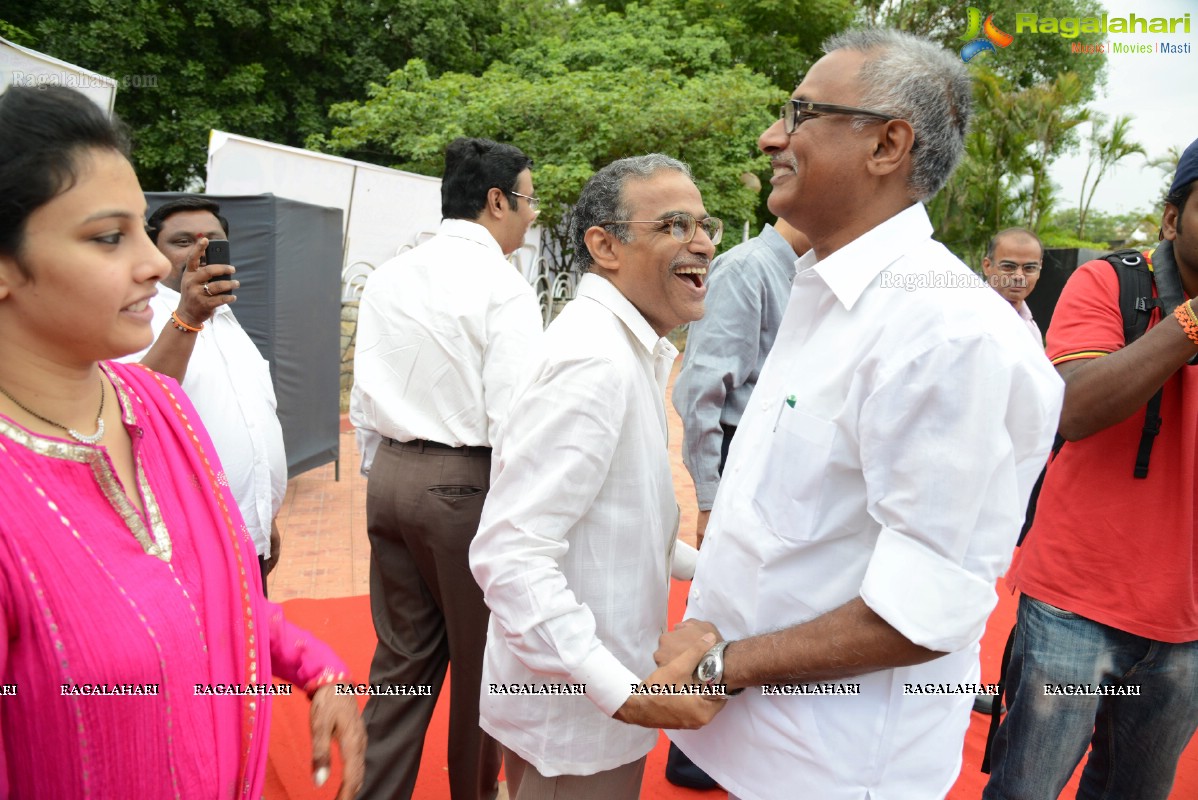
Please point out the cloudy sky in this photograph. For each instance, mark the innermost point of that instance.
(1160, 91)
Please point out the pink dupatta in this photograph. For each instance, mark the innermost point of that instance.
(47, 635)
(232, 582)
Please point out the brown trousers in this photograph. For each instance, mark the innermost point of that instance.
(422, 509)
(525, 783)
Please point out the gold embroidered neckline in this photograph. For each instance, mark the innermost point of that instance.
(155, 539)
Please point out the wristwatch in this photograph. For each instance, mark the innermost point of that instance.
(710, 669)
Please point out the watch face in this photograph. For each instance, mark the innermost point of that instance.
(706, 669)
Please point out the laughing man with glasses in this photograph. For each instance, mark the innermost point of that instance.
(578, 537)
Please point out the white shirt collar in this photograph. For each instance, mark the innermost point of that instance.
(853, 267)
(604, 292)
(466, 229)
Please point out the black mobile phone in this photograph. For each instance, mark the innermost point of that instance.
(218, 253)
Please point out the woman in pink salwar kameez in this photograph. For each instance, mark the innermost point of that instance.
(136, 648)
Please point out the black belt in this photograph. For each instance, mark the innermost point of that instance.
(422, 445)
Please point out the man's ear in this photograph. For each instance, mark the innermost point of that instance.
(1169, 222)
(985, 265)
(895, 139)
(601, 244)
(10, 276)
(496, 202)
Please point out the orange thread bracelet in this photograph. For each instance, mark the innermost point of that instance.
(183, 326)
(1189, 321)
(1189, 307)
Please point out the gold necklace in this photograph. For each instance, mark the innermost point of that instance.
(74, 434)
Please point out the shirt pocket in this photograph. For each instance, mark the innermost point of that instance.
(789, 493)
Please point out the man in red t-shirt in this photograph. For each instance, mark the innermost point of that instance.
(1106, 649)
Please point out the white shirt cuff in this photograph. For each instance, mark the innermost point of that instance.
(927, 598)
(368, 444)
(685, 557)
(609, 683)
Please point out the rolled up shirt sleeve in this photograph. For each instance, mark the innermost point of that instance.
(951, 444)
(945, 609)
(554, 455)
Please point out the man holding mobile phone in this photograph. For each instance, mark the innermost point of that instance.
(199, 342)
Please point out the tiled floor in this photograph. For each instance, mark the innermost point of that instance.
(323, 523)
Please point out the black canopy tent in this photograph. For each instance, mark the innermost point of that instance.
(288, 259)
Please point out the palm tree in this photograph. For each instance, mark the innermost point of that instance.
(1107, 148)
(1052, 111)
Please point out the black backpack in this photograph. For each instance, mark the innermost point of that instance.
(1136, 302)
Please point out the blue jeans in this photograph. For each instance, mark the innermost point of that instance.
(1135, 740)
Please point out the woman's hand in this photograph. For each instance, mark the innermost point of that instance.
(337, 715)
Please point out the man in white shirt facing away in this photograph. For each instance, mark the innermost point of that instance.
(578, 538)
(199, 343)
(878, 481)
(441, 331)
(1012, 266)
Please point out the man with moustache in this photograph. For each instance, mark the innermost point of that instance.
(1012, 267)
(578, 537)
(199, 342)
(877, 482)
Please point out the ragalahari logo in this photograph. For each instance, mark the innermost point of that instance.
(990, 36)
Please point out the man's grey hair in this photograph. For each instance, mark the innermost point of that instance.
(602, 199)
(919, 81)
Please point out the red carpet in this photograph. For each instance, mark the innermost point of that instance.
(345, 624)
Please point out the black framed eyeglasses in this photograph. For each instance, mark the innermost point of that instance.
(681, 226)
(533, 202)
(796, 112)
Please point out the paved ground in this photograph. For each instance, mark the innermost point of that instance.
(323, 523)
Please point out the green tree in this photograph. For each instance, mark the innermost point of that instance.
(1103, 230)
(1029, 99)
(264, 68)
(614, 85)
(777, 38)
(1107, 148)
(1051, 111)
(1166, 164)
(1030, 60)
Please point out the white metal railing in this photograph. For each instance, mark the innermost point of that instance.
(353, 280)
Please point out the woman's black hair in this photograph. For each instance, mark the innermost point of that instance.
(43, 133)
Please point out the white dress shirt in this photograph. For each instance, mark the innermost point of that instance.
(888, 453)
(577, 537)
(228, 380)
(1025, 314)
(442, 330)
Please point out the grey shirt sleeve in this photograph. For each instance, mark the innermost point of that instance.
(722, 353)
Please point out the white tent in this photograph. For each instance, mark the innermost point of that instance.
(21, 66)
(385, 210)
